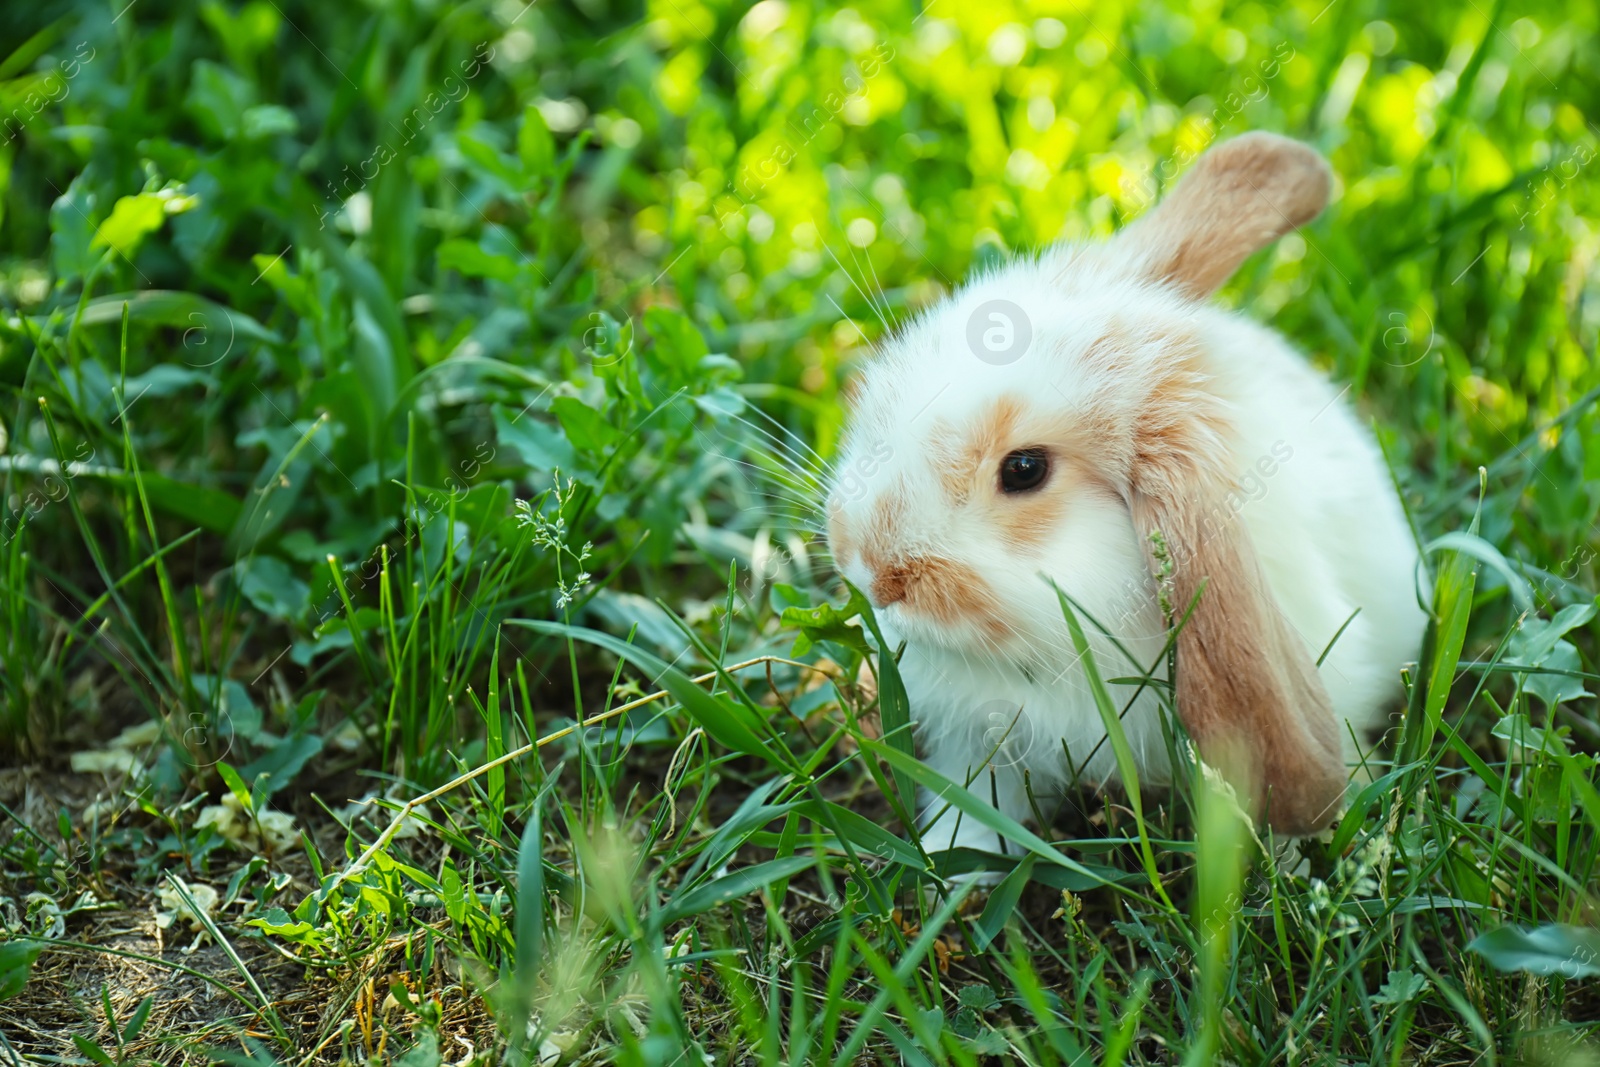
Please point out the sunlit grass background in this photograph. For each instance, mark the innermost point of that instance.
(363, 366)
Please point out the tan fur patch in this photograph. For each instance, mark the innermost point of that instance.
(994, 435)
(1111, 354)
(1028, 520)
(891, 583)
(942, 590)
(1181, 429)
(878, 540)
(967, 464)
(944, 452)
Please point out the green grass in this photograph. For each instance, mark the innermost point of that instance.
(412, 406)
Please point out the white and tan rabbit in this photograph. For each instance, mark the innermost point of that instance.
(1041, 424)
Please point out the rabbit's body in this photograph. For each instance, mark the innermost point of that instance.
(1151, 412)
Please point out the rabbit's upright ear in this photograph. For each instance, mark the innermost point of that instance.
(1240, 196)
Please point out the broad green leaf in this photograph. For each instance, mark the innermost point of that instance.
(72, 229)
(210, 509)
(1403, 986)
(283, 761)
(1556, 684)
(279, 923)
(267, 120)
(487, 160)
(130, 222)
(652, 625)
(1554, 949)
(16, 963)
(425, 1053)
(1540, 643)
(535, 146)
(1002, 904)
(221, 326)
(236, 711)
(541, 446)
(1520, 732)
(720, 403)
(271, 587)
(825, 622)
(166, 379)
(585, 427)
(218, 99)
(465, 257)
(678, 342)
(978, 997)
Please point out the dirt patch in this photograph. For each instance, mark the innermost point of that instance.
(94, 896)
(197, 991)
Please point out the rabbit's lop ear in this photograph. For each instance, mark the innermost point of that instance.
(1240, 196)
(1248, 690)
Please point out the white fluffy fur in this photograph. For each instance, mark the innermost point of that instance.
(1328, 528)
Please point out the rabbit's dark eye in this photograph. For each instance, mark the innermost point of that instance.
(1023, 470)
